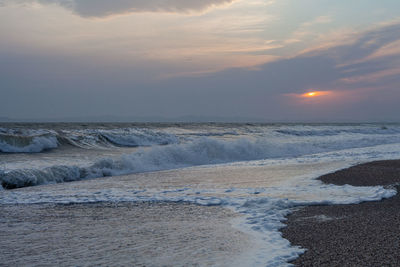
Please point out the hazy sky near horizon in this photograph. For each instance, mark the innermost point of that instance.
(214, 58)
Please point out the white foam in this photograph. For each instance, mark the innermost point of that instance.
(129, 137)
(245, 187)
(203, 151)
(34, 141)
(27, 144)
(264, 209)
(332, 130)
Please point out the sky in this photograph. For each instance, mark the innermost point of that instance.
(261, 60)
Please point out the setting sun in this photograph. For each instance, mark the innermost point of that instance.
(316, 93)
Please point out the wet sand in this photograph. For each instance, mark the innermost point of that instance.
(366, 234)
(119, 234)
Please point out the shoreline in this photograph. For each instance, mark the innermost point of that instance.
(365, 234)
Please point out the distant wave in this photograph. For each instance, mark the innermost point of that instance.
(34, 141)
(337, 131)
(39, 140)
(213, 133)
(202, 151)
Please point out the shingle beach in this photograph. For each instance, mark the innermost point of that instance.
(366, 234)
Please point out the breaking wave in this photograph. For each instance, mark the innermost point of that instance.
(202, 151)
(27, 144)
(34, 141)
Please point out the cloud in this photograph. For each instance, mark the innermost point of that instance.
(371, 44)
(364, 90)
(317, 20)
(308, 28)
(362, 59)
(105, 8)
(361, 72)
(335, 68)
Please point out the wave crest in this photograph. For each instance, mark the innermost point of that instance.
(201, 151)
(307, 131)
(34, 141)
(27, 144)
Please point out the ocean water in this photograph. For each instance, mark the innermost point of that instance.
(262, 171)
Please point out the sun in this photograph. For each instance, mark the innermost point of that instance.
(315, 94)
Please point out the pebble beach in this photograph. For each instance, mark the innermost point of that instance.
(365, 234)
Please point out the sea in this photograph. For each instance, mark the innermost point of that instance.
(260, 171)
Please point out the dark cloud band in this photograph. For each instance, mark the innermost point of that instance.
(104, 8)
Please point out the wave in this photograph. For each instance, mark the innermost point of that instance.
(34, 141)
(39, 140)
(135, 138)
(27, 144)
(202, 151)
(213, 133)
(373, 130)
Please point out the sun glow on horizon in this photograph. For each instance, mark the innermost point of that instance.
(315, 94)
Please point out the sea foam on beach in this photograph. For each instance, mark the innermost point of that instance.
(259, 171)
